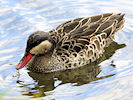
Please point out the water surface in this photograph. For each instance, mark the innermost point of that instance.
(109, 78)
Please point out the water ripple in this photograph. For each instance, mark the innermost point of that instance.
(109, 80)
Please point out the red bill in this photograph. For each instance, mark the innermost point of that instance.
(27, 57)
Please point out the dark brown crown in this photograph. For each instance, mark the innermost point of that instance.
(36, 38)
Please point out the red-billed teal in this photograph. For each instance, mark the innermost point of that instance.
(72, 44)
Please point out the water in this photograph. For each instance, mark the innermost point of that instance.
(109, 78)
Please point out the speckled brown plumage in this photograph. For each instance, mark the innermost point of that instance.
(77, 42)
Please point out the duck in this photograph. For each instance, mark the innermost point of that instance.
(73, 44)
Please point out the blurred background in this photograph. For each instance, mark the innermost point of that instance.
(110, 78)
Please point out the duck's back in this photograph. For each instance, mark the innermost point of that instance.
(81, 41)
(109, 23)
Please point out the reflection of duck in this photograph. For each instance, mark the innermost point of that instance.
(72, 44)
(79, 76)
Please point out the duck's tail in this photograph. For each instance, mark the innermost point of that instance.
(113, 24)
(120, 22)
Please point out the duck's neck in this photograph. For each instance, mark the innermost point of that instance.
(39, 62)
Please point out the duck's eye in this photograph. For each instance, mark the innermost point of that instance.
(27, 54)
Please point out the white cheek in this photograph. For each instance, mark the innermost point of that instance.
(37, 50)
(42, 48)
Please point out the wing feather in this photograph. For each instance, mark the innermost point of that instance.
(75, 34)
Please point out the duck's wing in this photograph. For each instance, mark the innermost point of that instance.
(80, 24)
(103, 25)
(70, 26)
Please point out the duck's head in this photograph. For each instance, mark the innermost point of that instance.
(39, 43)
